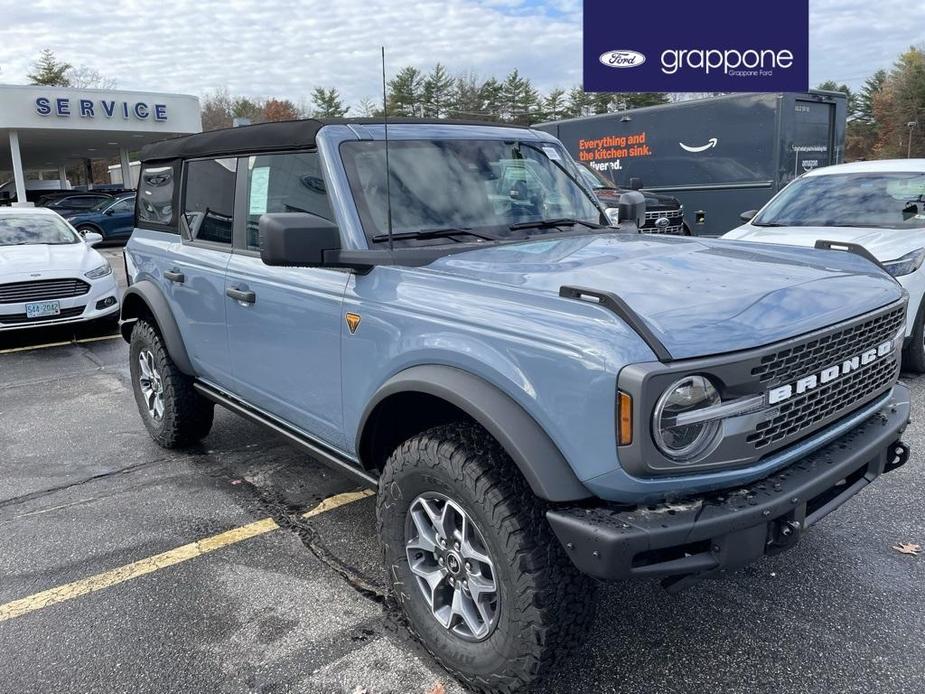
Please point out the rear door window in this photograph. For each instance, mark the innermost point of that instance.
(208, 200)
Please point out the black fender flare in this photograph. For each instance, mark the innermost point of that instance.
(535, 454)
(147, 293)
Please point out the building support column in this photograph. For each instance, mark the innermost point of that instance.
(18, 177)
(126, 168)
(62, 176)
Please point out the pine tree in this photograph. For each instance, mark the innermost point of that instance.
(368, 108)
(48, 72)
(466, 97)
(251, 109)
(872, 87)
(579, 102)
(327, 103)
(491, 94)
(437, 92)
(405, 92)
(554, 105)
(518, 98)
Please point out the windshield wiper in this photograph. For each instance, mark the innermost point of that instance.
(434, 233)
(549, 223)
(773, 224)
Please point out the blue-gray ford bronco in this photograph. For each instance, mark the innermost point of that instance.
(543, 397)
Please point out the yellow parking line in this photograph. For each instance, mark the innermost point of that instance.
(59, 344)
(52, 596)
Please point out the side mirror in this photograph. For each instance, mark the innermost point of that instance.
(635, 183)
(296, 239)
(108, 212)
(91, 238)
(632, 207)
(613, 216)
(748, 216)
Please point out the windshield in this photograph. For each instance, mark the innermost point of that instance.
(464, 184)
(881, 200)
(32, 229)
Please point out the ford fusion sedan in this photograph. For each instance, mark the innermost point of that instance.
(877, 206)
(49, 274)
(111, 218)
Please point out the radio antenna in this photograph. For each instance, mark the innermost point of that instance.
(388, 170)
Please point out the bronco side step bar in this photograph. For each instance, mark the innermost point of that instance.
(614, 303)
(315, 449)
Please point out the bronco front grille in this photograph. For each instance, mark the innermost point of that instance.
(814, 355)
(42, 290)
(814, 407)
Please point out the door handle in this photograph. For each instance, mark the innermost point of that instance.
(245, 297)
(174, 276)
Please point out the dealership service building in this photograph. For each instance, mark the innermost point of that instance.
(46, 129)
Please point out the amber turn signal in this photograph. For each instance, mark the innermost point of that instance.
(624, 418)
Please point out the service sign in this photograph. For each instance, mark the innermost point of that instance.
(700, 46)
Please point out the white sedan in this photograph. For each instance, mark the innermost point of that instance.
(49, 274)
(877, 205)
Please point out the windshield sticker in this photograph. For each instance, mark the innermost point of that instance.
(552, 153)
(260, 179)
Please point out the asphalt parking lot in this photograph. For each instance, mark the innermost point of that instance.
(95, 595)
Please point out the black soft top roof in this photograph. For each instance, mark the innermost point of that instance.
(268, 137)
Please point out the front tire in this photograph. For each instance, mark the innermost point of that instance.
(452, 505)
(174, 414)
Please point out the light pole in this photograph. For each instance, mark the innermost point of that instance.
(911, 125)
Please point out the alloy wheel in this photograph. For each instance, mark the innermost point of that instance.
(151, 385)
(450, 562)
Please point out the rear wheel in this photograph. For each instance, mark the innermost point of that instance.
(482, 581)
(173, 412)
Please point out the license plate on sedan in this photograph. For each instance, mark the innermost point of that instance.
(41, 309)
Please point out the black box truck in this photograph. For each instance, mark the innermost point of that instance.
(719, 156)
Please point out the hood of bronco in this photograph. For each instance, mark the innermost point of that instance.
(699, 296)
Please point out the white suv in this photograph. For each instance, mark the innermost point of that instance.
(49, 274)
(877, 205)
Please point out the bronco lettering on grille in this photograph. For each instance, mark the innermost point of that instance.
(781, 393)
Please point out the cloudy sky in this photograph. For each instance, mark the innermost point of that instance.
(284, 48)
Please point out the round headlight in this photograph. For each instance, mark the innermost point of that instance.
(680, 441)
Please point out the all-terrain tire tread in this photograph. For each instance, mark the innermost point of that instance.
(558, 600)
(187, 414)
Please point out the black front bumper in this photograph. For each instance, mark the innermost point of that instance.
(691, 539)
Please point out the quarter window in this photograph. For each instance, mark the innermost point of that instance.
(156, 195)
(208, 201)
(284, 183)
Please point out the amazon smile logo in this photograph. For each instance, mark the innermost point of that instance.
(711, 143)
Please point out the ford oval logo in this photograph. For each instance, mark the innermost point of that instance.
(622, 59)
